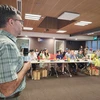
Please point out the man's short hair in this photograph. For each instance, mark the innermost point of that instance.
(7, 12)
(31, 50)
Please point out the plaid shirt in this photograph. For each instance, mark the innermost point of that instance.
(11, 61)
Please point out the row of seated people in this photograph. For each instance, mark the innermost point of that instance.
(44, 55)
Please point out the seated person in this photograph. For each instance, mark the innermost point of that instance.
(80, 56)
(36, 51)
(67, 53)
(45, 55)
(32, 56)
(59, 56)
(72, 66)
(40, 54)
(93, 55)
(96, 61)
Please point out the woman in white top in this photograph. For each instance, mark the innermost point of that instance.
(32, 56)
(46, 56)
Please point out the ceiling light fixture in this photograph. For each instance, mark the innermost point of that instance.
(27, 28)
(75, 38)
(68, 16)
(26, 36)
(83, 23)
(32, 16)
(61, 31)
(47, 30)
(90, 33)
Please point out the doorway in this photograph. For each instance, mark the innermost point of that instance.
(22, 43)
(59, 45)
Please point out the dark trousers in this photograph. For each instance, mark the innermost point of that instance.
(13, 97)
(72, 67)
(33, 68)
(16, 98)
(80, 65)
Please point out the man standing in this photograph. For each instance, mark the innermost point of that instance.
(12, 68)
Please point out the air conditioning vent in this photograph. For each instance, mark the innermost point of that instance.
(19, 5)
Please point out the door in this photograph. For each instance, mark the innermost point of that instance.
(58, 45)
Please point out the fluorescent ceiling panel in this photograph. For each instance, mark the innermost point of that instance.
(68, 16)
(27, 28)
(90, 33)
(61, 31)
(32, 16)
(83, 23)
(75, 38)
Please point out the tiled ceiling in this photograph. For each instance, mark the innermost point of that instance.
(89, 10)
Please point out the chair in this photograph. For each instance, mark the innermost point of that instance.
(52, 56)
(53, 66)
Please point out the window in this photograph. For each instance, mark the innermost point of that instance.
(22, 43)
(98, 44)
(88, 44)
(94, 45)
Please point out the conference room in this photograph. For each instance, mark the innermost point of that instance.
(60, 25)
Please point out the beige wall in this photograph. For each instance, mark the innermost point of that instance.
(46, 43)
(49, 44)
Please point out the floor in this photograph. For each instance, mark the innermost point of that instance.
(79, 87)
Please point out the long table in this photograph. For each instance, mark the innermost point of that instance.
(61, 61)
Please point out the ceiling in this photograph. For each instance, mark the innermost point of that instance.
(89, 10)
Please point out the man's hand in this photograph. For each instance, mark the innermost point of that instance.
(26, 66)
(9, 87)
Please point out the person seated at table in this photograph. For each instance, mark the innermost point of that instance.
(32, 56)
(45, 57)
(67, 53)
(95, 66)
(80, 56)
(46, 54)
(96, 61)
(93, 54)
(72, 66)
(40, 54)
(60, 56)
(36, 51)
(81, 48)
(98, 53)
(41, 58)
(85, 50)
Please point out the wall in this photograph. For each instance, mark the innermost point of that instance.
(75, 45)
(49, 44)
(44, 43)
(22, 43)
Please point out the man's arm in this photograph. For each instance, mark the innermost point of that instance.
(9, 87)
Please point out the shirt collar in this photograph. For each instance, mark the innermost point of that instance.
(5, 33)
